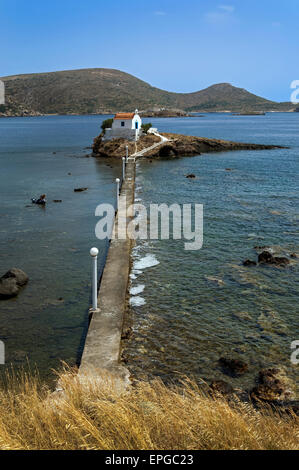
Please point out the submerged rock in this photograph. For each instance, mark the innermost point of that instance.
(80, 190)
(233, 367)
(19, 356)
(11, 283)
(273, 385)
(248, 262)
(221, 387)
(242, 316)
(220, 282)
(281, 260)
(191, 175)
(267, 258)
(8, 288)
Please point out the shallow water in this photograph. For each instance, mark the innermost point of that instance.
(197, 306)
(47, 322)
(188, 308)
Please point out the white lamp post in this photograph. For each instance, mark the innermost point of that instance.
(117, 181)
(94, 254)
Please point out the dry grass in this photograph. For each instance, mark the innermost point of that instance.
(148, 416)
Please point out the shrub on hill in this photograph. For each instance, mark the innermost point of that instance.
(146, 127)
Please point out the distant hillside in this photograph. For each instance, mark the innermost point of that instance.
(90, 91)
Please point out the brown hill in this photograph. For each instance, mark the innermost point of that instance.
(106, 91)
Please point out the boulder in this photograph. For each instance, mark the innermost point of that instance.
(281, 260)
(191, 175)
(273, 385)
(80, 190)
(233, 367)
(221, 387)
(167, 150)
(267, 258)
(17, 274)
(8, 288)
(11, 283)
(248, 262)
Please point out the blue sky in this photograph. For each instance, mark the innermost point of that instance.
(176, 45)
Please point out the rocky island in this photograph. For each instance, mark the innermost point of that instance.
(176, 145)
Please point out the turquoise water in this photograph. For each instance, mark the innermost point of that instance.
(46, 323)
(196, 306)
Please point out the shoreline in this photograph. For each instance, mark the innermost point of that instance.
(192, 114)
(177, 145)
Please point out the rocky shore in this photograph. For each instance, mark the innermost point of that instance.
(178, 145)
(165, 113)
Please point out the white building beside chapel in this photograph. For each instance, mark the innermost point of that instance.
(125, 125)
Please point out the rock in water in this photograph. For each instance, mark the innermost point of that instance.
(281, 260)
(221, 387)
(8, 288)
(191, 176)
(248, 262)
(233, 367)
(273, 386)
(11, 283)
(80, 190)
(17, 274)
(267, 258)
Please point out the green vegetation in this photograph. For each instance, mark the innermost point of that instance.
(101, 91)
(146, 127)
(107, 124)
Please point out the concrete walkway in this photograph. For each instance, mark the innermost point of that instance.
(103, 342)
(102, 346)
(152, 147)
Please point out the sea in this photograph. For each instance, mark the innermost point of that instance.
(188, 308)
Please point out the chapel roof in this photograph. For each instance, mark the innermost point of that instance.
(124, 116)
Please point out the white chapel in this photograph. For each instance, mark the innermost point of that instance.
(126, 125)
